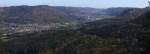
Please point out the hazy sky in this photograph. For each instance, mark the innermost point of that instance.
(78, 3)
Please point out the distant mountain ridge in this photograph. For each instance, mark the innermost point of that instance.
(51, 14)
(32, 14)
(28, 18)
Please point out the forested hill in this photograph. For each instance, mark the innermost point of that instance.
(126, 33)
(44, 14)
(131, 27)
(43, 17)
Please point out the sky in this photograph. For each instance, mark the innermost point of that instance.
(77, 3)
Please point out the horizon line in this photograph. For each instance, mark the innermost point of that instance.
(71, 6)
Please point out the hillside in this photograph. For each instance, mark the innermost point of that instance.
(131, 27)
(44, 14)
(44, 17)
(32, 14)
(125, 31)
(127, 38)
